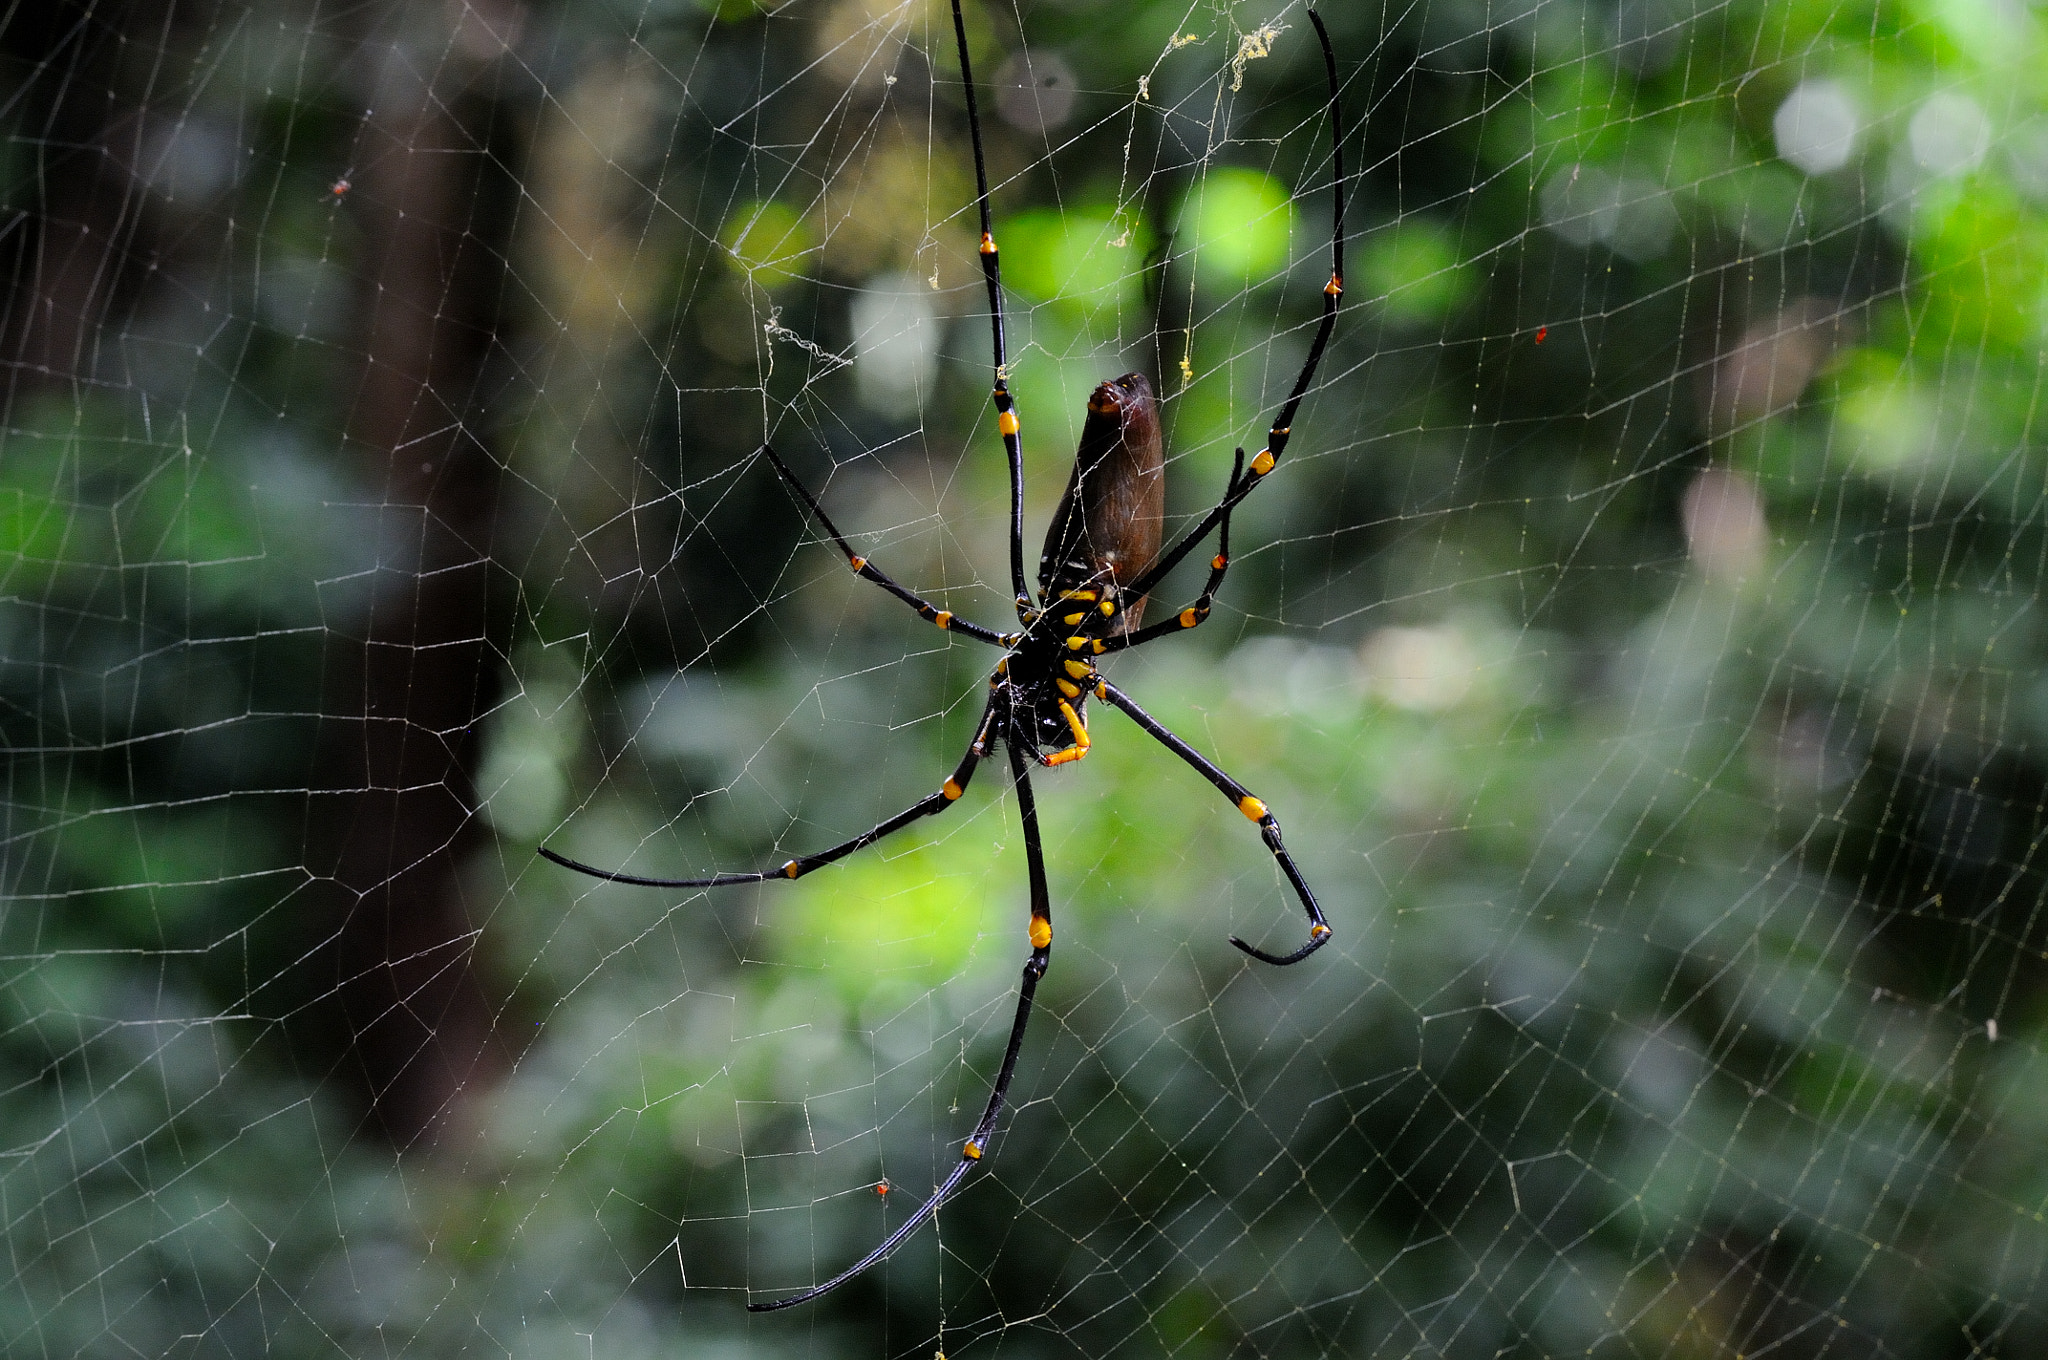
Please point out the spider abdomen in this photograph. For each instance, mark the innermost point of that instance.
(1107, 527)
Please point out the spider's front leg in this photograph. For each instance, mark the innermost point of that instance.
(1251, 807)
(976, 1146)
(947, 795)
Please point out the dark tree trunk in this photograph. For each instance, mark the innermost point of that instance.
(403, 698)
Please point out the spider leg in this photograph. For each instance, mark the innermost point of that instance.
(992, 276)
(948, 794)
(1197, 613)
(1283, 423)
(931, 613)
(1269, 827)
(972, 1152)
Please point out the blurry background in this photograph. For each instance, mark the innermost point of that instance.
(1642, 644)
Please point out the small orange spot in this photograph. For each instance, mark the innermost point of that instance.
(1219, 562)
(988, 244)
(1318, 931)
(1041, 932)
(1542, 333)
(1262, 464)
(1335, 287)
(857, 562)
(1187, 618)
(972, 1152)
(340, 189)
(1251, 807)
(882, 1186)
(944, 619)
(951, 789)
(789, 869)
(1006, 421)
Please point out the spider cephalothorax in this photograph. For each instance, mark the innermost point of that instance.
(1101, 561)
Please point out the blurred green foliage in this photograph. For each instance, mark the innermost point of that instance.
(1641, 644)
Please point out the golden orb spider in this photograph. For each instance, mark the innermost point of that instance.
(1101, 559)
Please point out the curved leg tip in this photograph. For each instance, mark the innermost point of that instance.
(1317, 938)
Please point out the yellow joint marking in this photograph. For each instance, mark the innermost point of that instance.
(1075, 644)
(1003, 666)
(972, 1152)
(1262, 464)
(1107, 607)
(856, 562)
(1075, 618)
(1041, 932)
(1102, 690)
(1062, 757)
(951, 788)
(1335, 287)
(1077, 669)
(789, 869)
(988, 247)
(1077, 595)
(1219, 562)
(1318, 931)
(1251, 807)
(1081, 742)
(1006, 421)
(944, 618)
(1187, 618)
(1067, 687)
(1100, 647)
(1283, 430)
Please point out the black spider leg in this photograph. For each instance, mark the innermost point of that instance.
(1034, 969)
(1283, 424)
(1269, 827)
(944, 618)
(992, 275)
(948, 794)
(1195, 614)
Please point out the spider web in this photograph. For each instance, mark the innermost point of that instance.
(1640, 642)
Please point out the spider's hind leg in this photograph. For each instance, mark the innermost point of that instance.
(1196, 614)
(1251, 807)
(929, 612)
